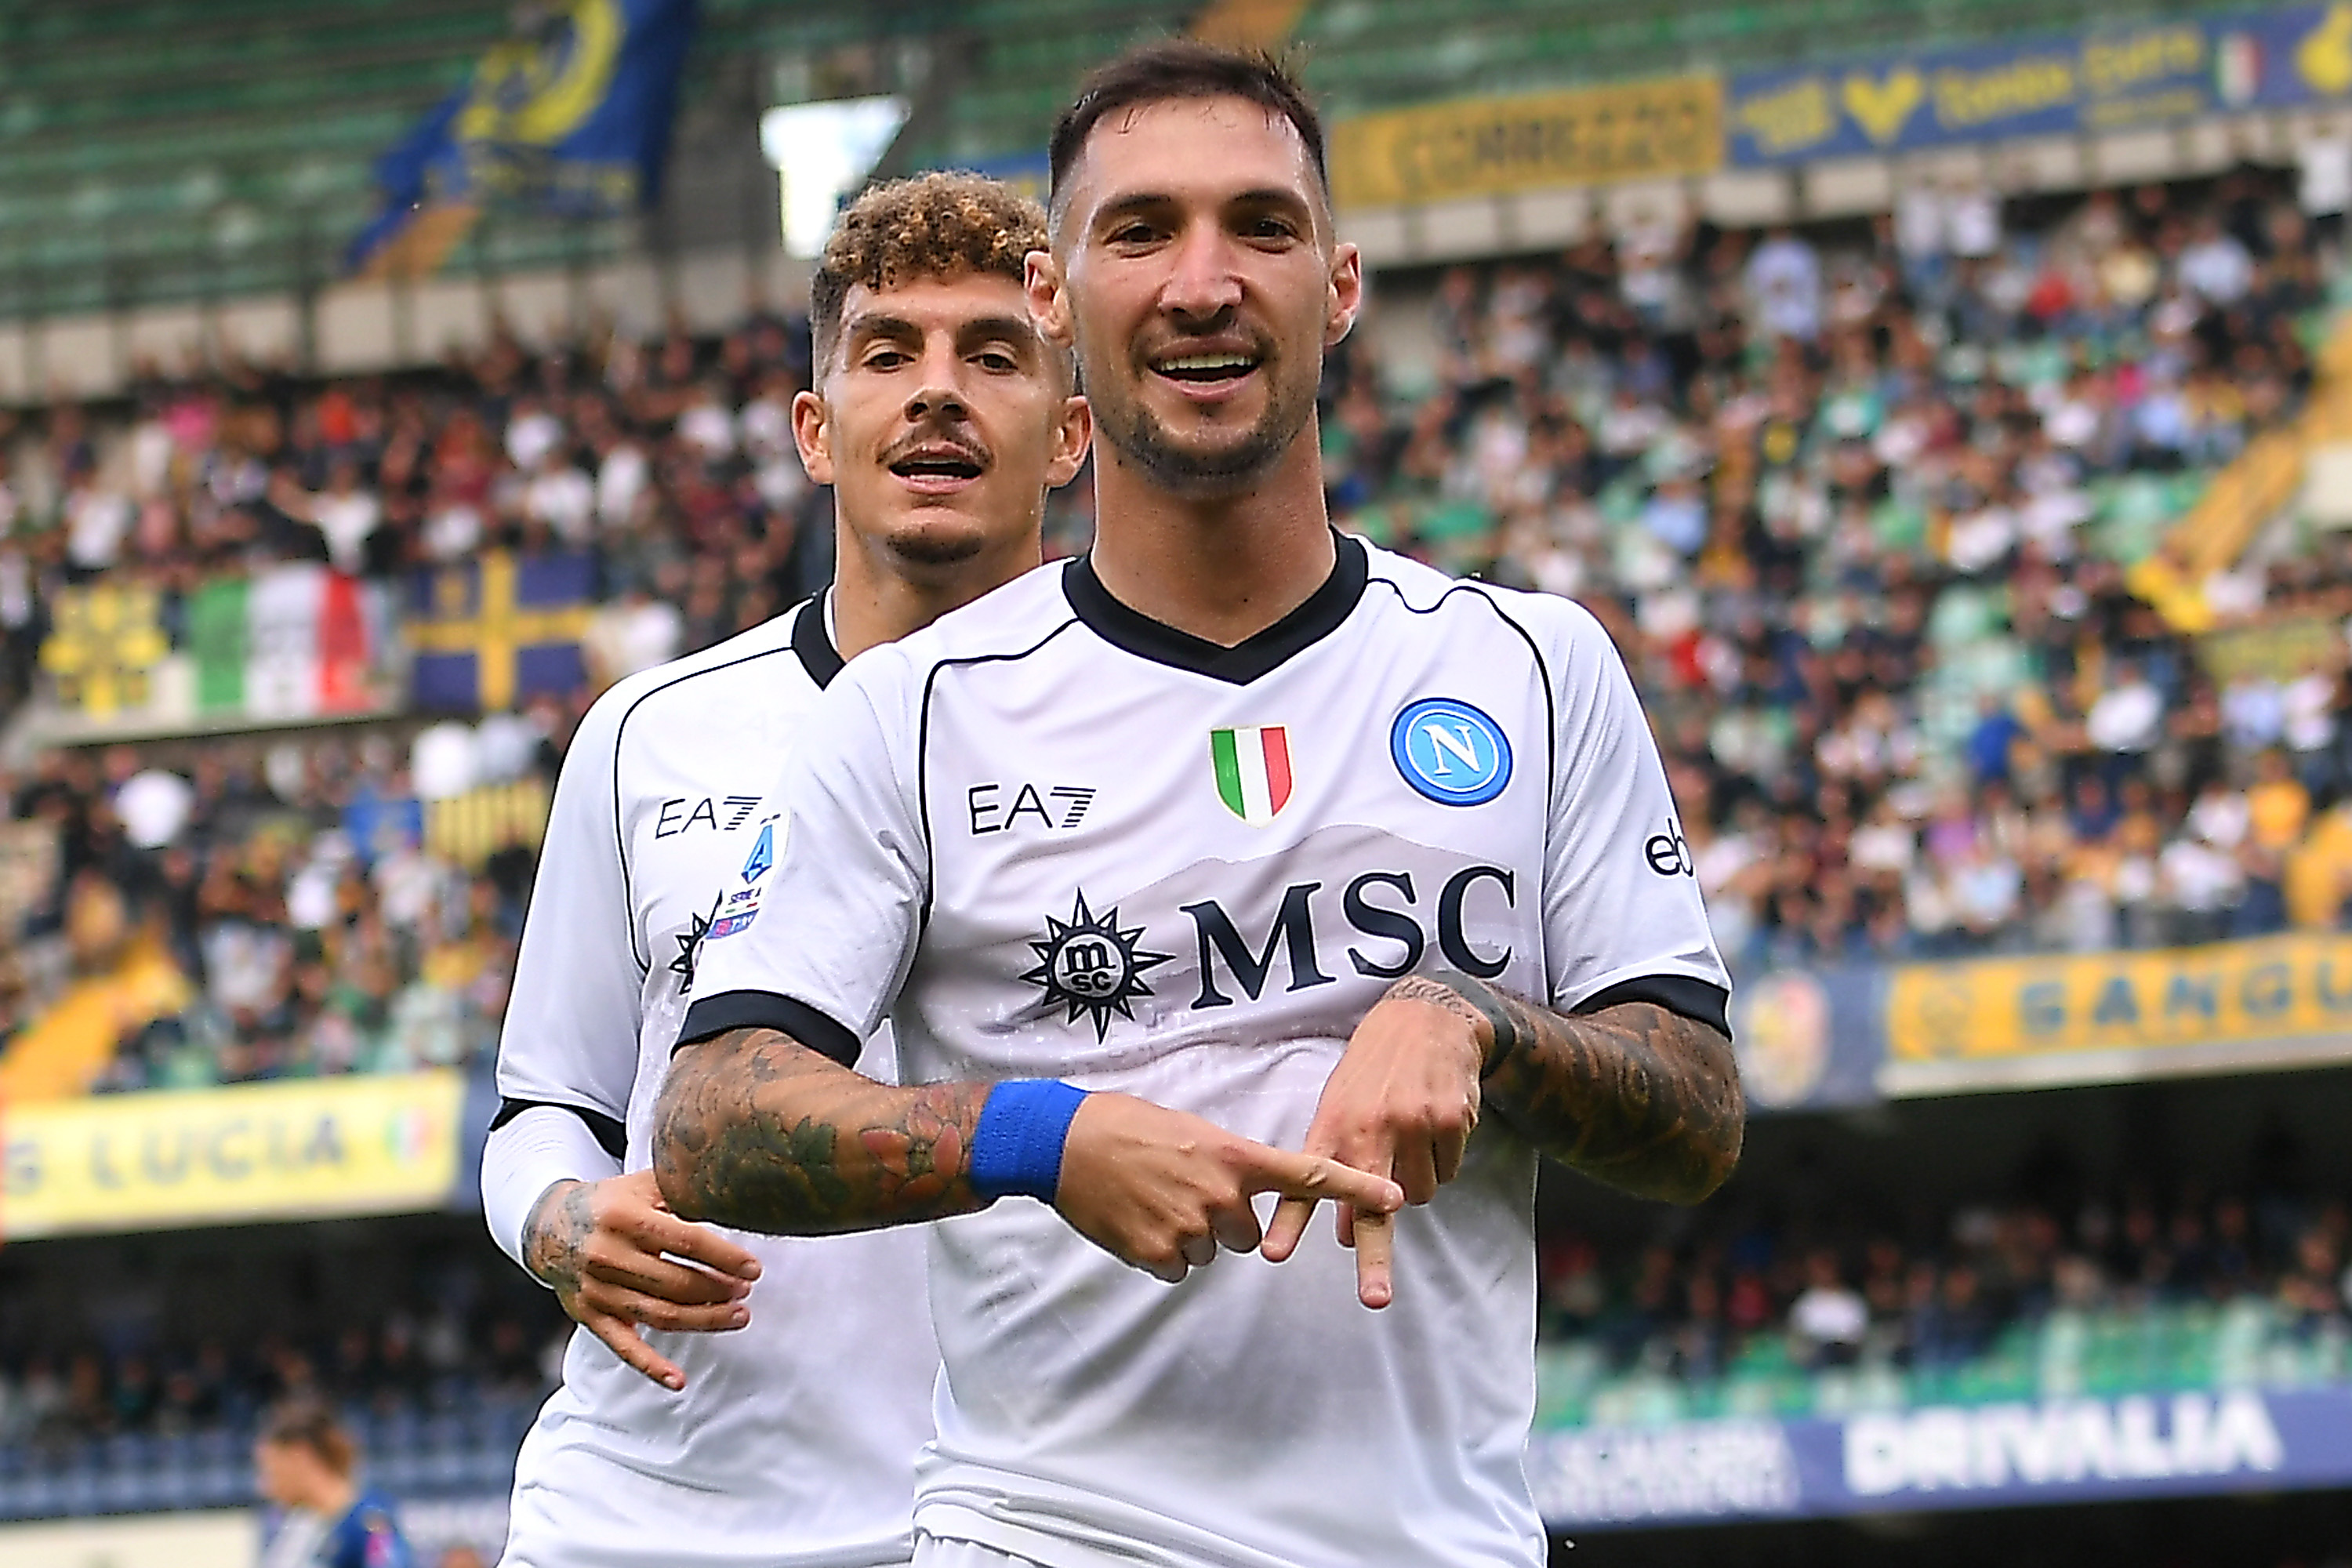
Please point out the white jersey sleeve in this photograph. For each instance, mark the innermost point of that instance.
(1623, 920)
(570, 1039)
(824, 954)
(526, 1154)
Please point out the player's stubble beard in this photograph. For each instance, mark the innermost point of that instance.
(936, 552)
(1130, 429)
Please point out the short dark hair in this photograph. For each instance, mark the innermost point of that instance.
(1176, 69)
(933, 225)
(305, 1421)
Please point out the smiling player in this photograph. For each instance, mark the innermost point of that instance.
(775, 1423)
(1360, 871)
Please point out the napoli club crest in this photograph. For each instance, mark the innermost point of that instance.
(1450, 751)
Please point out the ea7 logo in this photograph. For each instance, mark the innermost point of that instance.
(725, 813)
(1061, 806)
(1669, 853)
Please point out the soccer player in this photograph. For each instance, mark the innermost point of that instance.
(1237, 835)
(774, 1424)
(307, 1464)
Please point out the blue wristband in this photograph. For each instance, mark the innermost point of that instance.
(1016, 1149)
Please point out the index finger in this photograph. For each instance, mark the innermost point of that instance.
(623, 1340)
(1375, 1250)
(700, 1244)
(1313, 1178)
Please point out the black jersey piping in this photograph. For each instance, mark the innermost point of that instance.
(1696, 999)
(610, 1135)
(1323, 611)
(818, 657)
(923, 751)
(1535, 651)
(731, 1010)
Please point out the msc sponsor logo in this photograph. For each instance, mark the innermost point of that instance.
(1451, 752)
(1092, 966)
(1379, 925)
(1379, 910)
(721, 814)
(690, 943)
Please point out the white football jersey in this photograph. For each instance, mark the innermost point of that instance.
(795, 1438)
(1050, 837)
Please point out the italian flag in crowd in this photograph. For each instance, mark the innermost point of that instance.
(287, 642)
(1253, 770)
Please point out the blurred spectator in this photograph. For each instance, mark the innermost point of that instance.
(1830, 1319)
(308, 1466)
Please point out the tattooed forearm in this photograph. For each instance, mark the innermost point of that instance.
(1641, 1097)
(554, 1236)
(755, 1131)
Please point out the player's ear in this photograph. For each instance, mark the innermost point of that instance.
(1346, 293)
(1049, 302)
(813, 434)
(1073, 433)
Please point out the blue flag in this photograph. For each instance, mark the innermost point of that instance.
(496, 630)
(571, 118)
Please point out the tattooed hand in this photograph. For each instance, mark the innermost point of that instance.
(759, 1131)
(601, 1246)
(1401, 1103)
(1636, 1095)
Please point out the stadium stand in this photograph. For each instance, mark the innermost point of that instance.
(1860, 510)
(1870, 568)
(437, 1361)
(1373, 54)
(201, 154)
(1951, 550)
(1844, 549)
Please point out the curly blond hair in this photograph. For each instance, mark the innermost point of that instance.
(933, 225)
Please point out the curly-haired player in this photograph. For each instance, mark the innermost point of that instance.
(748, 1400)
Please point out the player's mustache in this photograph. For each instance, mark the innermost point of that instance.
(1223, 334)
(935, 440)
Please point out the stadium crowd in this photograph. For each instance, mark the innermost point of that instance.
(401, 1365)
(1931, 1294)
(1856, 501)
(1857, 505)
(1934, 1294)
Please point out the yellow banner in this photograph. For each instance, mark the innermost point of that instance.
(2008, 1023)
(273, 1151)
(1662, 129)
(2275, 650)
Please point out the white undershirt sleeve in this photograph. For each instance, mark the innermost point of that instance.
(539, 1147)
(568, 1050)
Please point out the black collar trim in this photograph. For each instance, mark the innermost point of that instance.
(818, 656)
(1322, 614)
